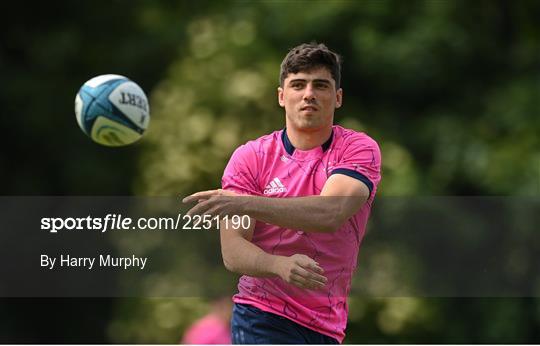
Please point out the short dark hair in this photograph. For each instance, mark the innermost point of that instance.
(309, 56)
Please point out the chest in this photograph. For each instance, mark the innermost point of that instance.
(288, 176)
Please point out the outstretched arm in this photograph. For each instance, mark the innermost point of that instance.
(341, 197)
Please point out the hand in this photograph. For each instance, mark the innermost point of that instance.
(215, 202)
(301, 271)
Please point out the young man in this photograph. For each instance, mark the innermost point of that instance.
(308, 190)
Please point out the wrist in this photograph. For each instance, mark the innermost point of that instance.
(271, 264)
(275, 265)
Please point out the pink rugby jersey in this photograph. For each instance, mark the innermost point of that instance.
(271, 167)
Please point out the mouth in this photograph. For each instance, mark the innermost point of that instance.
(308, 109)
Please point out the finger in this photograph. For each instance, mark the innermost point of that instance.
(199, 209)
(316, 268)
(306, 274)
(297, 283)
(310, 269)
(200, 195)
(307, 281)
(192, 211)
(304, 283)
(313, 266)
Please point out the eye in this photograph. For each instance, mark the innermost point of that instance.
(297, 86)
(322, 86)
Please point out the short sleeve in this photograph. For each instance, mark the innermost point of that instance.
(361, 160)
(240, 175)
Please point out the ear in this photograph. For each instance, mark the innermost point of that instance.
(339, 97)
(281, 101)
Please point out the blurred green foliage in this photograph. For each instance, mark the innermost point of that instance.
(450, 90)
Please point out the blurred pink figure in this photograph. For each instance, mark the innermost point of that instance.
(213, 328)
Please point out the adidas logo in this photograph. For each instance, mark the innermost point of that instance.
(275, 186)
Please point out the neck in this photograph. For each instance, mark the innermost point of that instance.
(308, 139)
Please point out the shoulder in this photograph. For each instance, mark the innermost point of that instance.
(259, 145)
(347, 138)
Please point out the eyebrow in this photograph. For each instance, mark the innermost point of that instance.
(325, 81)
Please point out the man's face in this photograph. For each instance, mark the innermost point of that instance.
(309, 99)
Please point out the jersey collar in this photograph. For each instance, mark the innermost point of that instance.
(289, 148)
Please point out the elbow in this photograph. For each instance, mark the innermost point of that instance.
(337, 215)
(229, 264)
(333, 223)
(231, 255)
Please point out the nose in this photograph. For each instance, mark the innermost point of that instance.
(309, 93)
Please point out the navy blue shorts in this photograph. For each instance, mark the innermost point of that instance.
(250, 325)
